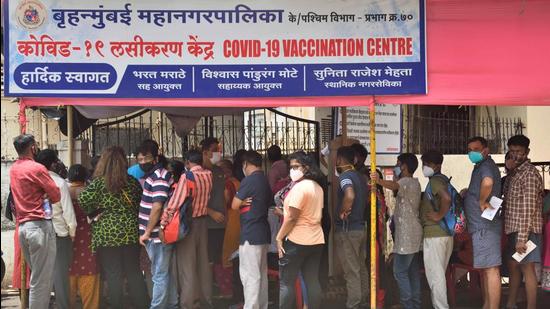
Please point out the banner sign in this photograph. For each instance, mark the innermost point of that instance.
(214, 48)
(389, 133)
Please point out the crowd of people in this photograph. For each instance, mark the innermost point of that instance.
(84, 232)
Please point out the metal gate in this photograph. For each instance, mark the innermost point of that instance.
(256, 129)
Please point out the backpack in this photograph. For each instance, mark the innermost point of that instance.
(178, 211)
(454, 222)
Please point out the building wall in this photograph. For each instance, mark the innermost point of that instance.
(45, 131)
(538, 130)
(503, 112)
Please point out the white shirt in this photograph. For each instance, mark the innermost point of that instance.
(64, 219)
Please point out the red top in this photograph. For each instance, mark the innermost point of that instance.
(84, 260)
(29, 181)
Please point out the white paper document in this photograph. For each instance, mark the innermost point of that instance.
(491, 212)
(530, 247)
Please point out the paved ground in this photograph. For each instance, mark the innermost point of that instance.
(333, 298)
(10, 300)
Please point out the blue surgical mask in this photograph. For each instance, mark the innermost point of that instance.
(475, 156)
(397, 171)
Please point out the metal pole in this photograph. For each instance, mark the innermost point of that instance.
(373, 255)
(70, 133)
(23, 264)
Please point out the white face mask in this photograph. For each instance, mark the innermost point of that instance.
(296, 175)
(244, 170)
(336, 173)
(216, 157)
(428, 171)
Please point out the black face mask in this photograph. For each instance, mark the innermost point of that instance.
(147, 167)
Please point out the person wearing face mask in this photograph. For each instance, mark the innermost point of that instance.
(217, 212)
(486, 234)
(157, 182)
(408, 231)
(300, 240)
(524, 190)
(136, 170)
(29, 182)
(350, 234)
(253, 200)
(437, 243)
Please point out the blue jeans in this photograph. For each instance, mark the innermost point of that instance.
(406, 272)
(165, 293)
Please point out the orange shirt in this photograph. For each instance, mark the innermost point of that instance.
(307, 196)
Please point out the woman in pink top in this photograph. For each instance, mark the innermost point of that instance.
(300, 240)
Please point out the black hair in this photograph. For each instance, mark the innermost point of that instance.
(149, 146)
(194, 156)
(77, 172)
(312, 170)
(47, 157)
(23, 142)
(360, 150)
(274, 153)
(409, 160)
(177, 168)
(432, 156)
(238, 156)
(253, 157)
(208, 142)
(480, 139)
(346, 153)
(238, 164)
(508, 155)
(519, 140)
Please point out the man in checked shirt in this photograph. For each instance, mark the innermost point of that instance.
(523, 192)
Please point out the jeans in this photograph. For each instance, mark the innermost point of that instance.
(304, 259)
(38, 243)
(406, 272)
(165, 294)
(122, 262)
(63, 260)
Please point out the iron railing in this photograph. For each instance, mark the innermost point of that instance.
(449, 133)
(543, 168)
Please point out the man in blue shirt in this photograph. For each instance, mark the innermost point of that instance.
(253, 201)
(156, 188)
(486, 234)
(350, 236)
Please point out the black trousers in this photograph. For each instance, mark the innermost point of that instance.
(304, 259)
(117, 264)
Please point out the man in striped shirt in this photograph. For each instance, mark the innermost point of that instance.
(192, 251)
(156, 187)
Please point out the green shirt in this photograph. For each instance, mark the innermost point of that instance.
(118, 224)
(432, 228)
